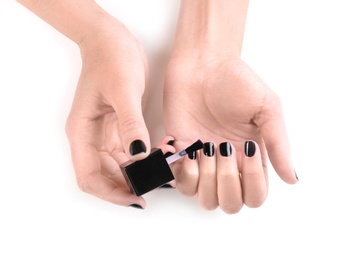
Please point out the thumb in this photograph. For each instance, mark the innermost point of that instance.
(133, 133)
(273, 130)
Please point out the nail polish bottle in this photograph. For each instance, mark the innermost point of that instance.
(153, 171)
(147, 174)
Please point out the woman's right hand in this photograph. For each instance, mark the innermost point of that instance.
(105, 126)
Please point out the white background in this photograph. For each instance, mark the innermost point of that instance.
(300, 48)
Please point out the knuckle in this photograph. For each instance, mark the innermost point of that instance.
(130, 123)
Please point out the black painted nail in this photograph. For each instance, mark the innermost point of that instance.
(168, 154)
(137, 147)
(171, 142)
(225, 149)
(250, 148)
(296, 175)
(166, 186)
(208, 149)
(136, 206)
(192, 155)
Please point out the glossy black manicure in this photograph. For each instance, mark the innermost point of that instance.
(166, 186)
(192, 155)
(137, 147)
(168, 154)
(250, 148)
(208, 149)
(225, 149)
(171, 142)
(136, 206)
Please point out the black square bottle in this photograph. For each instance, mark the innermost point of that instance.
(153, 171)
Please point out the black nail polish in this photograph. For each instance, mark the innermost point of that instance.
(296, 175)
(250, 148)
(192, 155)
(171, 142)
(137, 147)
(166, 186)
(208, 149)
(136, 206)
(168, 154)
(225, 149)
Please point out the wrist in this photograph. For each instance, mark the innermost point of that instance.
(107, 40)
(210, 27)
(75, 19)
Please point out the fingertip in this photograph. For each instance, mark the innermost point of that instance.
(289, 177)
(134, 136)
(136, 147)
(250, 148)
(226, 158)
(296, 176)
(128, 198)
(187, 176)
(225, 149)
(138, 150)
(274, 133)
(136, 206)
(169, 185)
(166, 144)
(254, 177)
(282, 164)
(137, 203)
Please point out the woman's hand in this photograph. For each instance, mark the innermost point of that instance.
(106, 126)
(225, 103)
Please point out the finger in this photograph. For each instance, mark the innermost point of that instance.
(169, 140)
(88, 169)
(207, 185)
(229, 188)
(126, 99)
(253, 178)
(187, 179)
(273, 131)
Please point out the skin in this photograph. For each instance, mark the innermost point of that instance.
(208, 90)
(215, 96)
(106, 114)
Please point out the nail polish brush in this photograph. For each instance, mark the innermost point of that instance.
(194, 147)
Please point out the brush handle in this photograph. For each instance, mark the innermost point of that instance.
(176, 157)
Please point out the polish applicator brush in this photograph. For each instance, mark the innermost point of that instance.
(153, 171)
(194, 147)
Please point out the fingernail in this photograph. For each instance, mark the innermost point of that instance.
(166, 186)
(250, 148)
(136, 206)
(171, 142)
(225, 149)
(192, 155)
(296, 175)
(208, 149)
(137, 147)
(168, 154)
